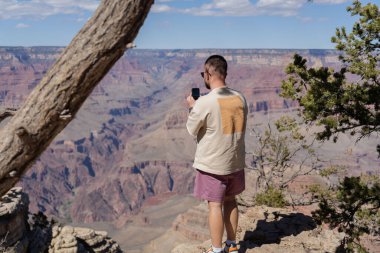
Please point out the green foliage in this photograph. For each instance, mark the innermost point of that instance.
(332, 170)
(272, 197)
(319, 192)
(290, 125)
(329, 99)
(326, 97)
(282, 154)
(362, 44)
(354, 209)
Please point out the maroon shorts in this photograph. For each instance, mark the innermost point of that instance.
(215, 187)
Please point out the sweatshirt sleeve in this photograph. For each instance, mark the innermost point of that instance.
(196, 119)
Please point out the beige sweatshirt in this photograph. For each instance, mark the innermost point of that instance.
(218, 120)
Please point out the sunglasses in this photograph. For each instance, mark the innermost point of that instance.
(203, 74)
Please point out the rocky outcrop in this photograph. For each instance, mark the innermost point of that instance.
(18, 236)
(13, 221)
(193, 224)
(67, 239)
(274, 229)
(271, 230)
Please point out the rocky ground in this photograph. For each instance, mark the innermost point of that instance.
(18, 234)
(263, 229)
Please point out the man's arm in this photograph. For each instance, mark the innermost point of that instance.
(196, 118)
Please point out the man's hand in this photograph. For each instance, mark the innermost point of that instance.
(190, 101)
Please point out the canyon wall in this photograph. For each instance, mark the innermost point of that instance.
(128, 142)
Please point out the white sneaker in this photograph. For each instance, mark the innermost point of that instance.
(210, 250)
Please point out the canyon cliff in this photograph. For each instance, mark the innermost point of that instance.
(129, 139)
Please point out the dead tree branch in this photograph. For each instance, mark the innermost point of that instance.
(62, 91)
(7, 112)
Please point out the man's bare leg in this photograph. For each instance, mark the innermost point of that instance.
(231, 216)
(215, 223)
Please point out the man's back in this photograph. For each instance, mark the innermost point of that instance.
(218, 120)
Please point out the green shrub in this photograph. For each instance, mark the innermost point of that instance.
(272, 198)
(354, 208)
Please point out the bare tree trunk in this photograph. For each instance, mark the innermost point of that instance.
(60, 94)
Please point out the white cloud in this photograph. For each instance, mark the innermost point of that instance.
(244, 7)
(223, 8)
(167, 1)
(280, 7)
(329, 1)
(22, 25)
(288, 4)
(161, 8)
(16, 9)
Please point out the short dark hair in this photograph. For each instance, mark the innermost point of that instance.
(218, 63)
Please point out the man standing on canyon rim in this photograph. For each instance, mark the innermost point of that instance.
(218, 121)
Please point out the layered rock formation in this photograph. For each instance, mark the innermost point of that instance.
(18, 236)
(135, 117)
(21, 69)
(71, 239)
(193, 224)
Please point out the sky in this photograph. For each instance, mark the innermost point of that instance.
(186, 24)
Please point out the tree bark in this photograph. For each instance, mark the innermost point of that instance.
(62, 91)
